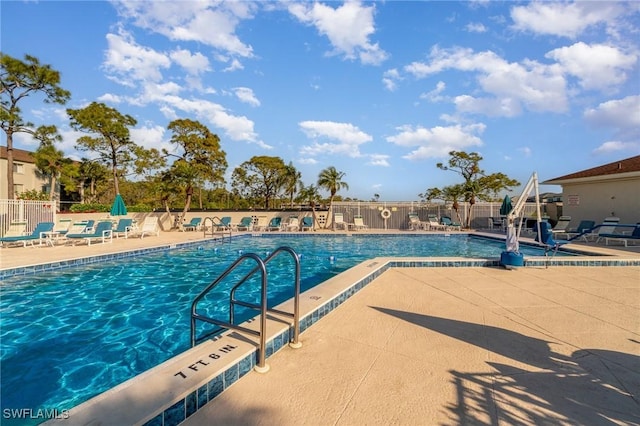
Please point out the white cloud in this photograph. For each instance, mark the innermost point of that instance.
(110, 98)
(150, 136)
(597, 66)
(622, 115)
(563, 19)
(476, 27)
(213, 24)
(195, 63)
(437, 141)
(617, 146)
(246, 95)
(390, 79)
(435, 94)
(379, 160)
(129, 62)
(348, 28)
(511, 87)
(525, 150)
(347, 137)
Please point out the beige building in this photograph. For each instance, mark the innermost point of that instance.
(609, 190)
(25, 174)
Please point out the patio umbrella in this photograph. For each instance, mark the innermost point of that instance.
(118, 208)
(506, 206)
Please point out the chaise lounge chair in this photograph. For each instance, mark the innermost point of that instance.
(633, 238)
(606, 228)
(562, 225)
(124, 227)
(293, 224)
(450, 224)
(584, 226)
(415, 223)
(434, 224)
(307, 223)
(16, 229)
(339, 223)
(224, 224)
(194, 225)
(63, 226)
(103, 231)
(358, 224)
(37, 234)
(275, 224)
(246, 224)
(149, 227)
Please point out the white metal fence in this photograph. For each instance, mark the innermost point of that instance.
(30, 211)
(34, 212)
(398, 216)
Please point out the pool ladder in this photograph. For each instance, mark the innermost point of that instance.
(209, 228)
(262, 306)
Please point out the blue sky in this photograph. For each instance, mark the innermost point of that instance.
(380, 90)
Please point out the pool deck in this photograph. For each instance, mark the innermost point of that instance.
(441, 346)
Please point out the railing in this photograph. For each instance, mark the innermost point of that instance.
(211, 228)
(262, 306)
(30, 211)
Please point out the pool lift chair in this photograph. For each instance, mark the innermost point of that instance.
(511, 257)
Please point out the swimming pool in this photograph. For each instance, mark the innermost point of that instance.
(68, 335)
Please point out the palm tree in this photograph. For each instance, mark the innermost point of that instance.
(310, 194)
(293, 182)
(331, 180)
(50, 161)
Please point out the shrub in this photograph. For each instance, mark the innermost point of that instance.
(89, 208)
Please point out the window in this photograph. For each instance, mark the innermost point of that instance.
(18, 168)
(18, 188)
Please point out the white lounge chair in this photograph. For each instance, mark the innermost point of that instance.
(358, 224)
(293, 224)
(415, 223)
(434, 224)
(339, 223)
(149, 227)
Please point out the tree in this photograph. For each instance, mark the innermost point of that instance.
(331, 180)
(292, 182)
(262, 177)
(451, 193)
(50, 161)
(111, 142)
(19, 80)
(198, 159)
(80, 176)
(309, 194)
(477, 184)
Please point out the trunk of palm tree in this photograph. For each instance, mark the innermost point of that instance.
(326, 222)
(313, 214)
(187, 204)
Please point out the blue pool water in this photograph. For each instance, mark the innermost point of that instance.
(70, 334)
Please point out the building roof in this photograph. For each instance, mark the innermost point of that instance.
(18, 155)
(631, 164)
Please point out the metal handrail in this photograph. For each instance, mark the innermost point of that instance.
(262, 307)
(213, 226)
(294, 343)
